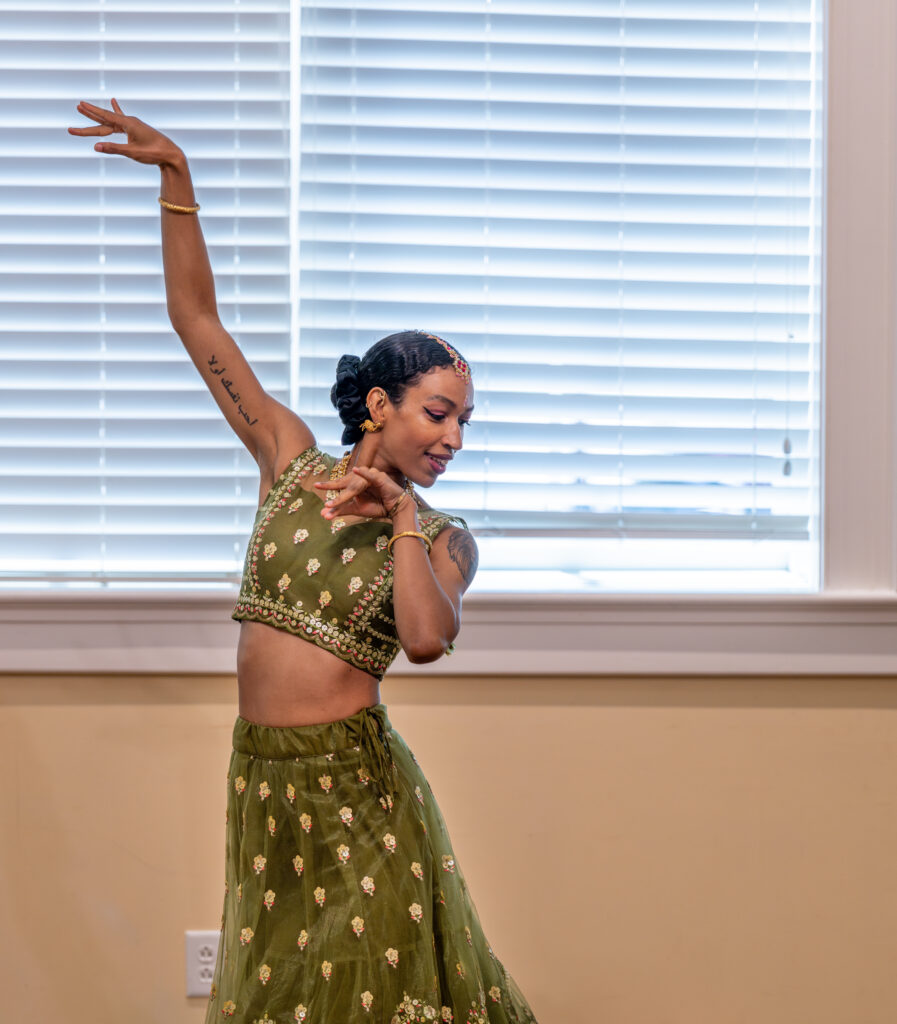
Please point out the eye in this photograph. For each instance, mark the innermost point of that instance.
(437, 416)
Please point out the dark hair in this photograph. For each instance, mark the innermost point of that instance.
(394, 363)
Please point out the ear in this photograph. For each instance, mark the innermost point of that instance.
(377, 401)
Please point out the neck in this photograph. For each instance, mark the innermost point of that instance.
(367, 452)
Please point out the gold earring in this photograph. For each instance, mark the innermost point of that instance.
(371, 427)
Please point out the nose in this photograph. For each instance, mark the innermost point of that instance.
(454, 439)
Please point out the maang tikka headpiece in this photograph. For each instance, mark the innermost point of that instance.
(461, 368)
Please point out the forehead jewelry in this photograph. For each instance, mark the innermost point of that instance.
(461, 368)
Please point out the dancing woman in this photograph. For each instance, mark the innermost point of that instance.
(343, 900)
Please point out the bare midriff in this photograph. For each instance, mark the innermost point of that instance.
(284, 680)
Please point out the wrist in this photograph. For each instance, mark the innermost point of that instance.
(175, 164)
(405, 517)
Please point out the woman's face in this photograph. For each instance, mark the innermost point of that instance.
(421, 435)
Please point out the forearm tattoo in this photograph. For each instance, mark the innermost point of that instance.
(463, 552)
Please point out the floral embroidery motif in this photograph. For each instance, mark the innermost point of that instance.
(320, 896)
(258, 864)
(355, 584)
(346, 814)
(326, 783)
(312, 566)
(283, 583)
(419, 795)
(392, 956)
(413, 1011)
(358, 925)
(381, 542)
(325, 598)
(239, 783)
(364, 776)
(299, 1014)
(417, 870)
(298, 864)
(495, 994)
(302, 941)
(239, 892)
(347, 555)
(272, 826)
(299, 536)
(229, 1007)
(337, 525)
(246, 936)
(291, 792)
(269, 899)
(367, 885)
(448, 863)
(264, 974)
(294, 507)
(389, 841)
(386, 802)
(270, 550)
(264, 791)
(305, 822)
(447, 1014)
(342, 851)
(326, 970)
(467, 935)
(367, 1000)
(416, 911)
(460, 969)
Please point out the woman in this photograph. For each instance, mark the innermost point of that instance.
(343, 901)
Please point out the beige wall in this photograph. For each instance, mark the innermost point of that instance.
(640, 850)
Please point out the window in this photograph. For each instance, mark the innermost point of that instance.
(613, 211)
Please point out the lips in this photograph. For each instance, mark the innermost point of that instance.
(438, 462)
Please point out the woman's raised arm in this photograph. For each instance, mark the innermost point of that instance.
(271, 431)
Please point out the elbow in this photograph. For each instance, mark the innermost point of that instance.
(421, 655)
(425, 649)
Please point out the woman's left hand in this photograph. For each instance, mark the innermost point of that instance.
(363, 491)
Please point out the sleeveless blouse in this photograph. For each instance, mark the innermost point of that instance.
(327, 581)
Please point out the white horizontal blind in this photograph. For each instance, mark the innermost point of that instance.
(114, 461)
(612, 208)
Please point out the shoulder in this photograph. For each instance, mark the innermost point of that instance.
(453, 543)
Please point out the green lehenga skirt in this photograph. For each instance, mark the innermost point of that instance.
(343, 901)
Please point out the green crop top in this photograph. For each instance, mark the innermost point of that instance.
(328, 581)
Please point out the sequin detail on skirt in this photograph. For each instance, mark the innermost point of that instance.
(343, 899)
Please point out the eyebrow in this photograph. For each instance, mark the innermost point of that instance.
(443, 398)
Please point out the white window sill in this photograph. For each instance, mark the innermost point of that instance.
(848, 633)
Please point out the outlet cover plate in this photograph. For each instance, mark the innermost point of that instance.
(202, 952)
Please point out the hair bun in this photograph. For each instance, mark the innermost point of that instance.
(348, 399)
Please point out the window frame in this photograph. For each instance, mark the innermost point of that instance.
(847, 628)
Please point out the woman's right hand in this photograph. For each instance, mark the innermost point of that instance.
(145, 144)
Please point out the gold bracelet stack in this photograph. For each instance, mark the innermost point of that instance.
(408, 533)
(174, 208)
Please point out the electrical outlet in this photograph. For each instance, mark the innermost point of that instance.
(202, 952)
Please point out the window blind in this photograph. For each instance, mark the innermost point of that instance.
(115, 463)
(613, 210)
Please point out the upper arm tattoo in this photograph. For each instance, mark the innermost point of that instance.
(463, 552)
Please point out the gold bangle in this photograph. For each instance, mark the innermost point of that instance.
(164, 203)
(408, 533)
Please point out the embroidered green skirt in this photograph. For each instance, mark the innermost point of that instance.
(343, 900)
